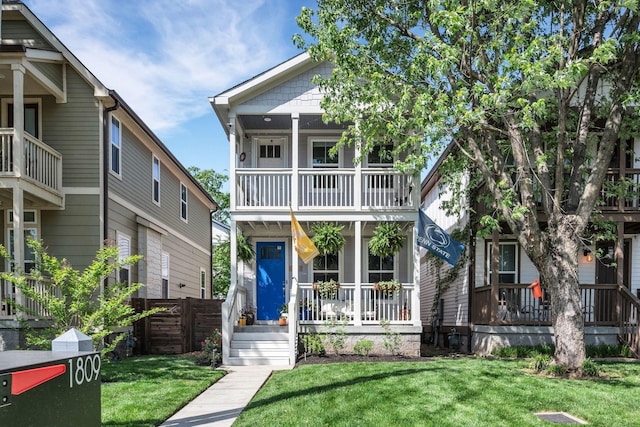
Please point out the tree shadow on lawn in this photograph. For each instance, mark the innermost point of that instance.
(333, 386)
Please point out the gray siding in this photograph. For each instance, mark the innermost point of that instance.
(52, 71)
(74, 130)
(21, 32)
(73, 233)
(135, 188)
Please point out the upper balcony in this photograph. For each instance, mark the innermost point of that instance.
(36, 168)
(308, 189)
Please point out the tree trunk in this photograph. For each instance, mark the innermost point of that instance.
(560, 276)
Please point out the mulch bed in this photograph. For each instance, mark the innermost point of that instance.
(427, 352)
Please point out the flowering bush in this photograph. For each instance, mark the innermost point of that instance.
(211, 343)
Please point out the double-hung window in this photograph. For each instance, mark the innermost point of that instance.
(124, 251)
(165, 275)
(321, 158)
(326, 267)
(508, 262)
(115, 136)
(203, 283)
(156, 180)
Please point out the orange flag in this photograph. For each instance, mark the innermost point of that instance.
(301, 242)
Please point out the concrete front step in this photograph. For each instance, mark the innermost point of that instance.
(284, 345)
(250, 361)
(260, 336)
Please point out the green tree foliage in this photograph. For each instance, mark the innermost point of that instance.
(212, 182)
(72, 299)
(532, 95)
(221, 268)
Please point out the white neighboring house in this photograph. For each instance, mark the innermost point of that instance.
(279, 160)
(496, 310)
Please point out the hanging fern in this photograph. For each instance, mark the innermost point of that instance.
(328, 237)
(387, 239)
(244, 248)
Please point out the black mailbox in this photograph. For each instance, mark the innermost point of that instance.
(44, 388)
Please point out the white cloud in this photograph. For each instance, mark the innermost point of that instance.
(167, 57)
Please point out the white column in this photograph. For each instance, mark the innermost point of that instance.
(232, 162)
(295, 140)
(357, 297)
(357, 184)
(18, 170)
(415, 298)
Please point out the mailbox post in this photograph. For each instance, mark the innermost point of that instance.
(50, 388)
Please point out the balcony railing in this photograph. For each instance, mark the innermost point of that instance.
(42, 164)
(324, 188)
(621, 194)
(356, 305)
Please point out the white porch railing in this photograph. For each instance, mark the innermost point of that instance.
(325, 188)
(42, 164)
(369, 309)
(32, 309)
(231, 309)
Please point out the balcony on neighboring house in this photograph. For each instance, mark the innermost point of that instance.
(36, 169)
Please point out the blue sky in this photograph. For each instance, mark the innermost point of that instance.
(167, 57)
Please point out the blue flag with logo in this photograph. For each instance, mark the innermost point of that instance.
(436, 240)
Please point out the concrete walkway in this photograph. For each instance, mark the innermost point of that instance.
(220, 404)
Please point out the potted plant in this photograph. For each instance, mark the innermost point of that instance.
(284, 314)
(249, 313)
(328, 237)
(387, 285)
(388, 238)
(328, 289)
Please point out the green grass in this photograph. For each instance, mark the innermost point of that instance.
(145, 391)
(441, 392)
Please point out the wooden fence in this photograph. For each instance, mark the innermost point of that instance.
(180, 328)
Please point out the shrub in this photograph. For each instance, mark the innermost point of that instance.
(337, 334)
(540, 362)
(556, 370)
(363, 347)
(312, 344)
(590, 368)
(391, 340)
(211, 343)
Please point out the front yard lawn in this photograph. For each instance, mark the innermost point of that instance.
(145, 391)
(441, 392)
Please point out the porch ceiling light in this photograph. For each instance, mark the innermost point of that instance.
(266, 119)
(588, 255)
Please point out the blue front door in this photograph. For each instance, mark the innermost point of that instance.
(270, 270)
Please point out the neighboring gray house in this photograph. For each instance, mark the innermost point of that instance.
(279, 162)
(79, 168)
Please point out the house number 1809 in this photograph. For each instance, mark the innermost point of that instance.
(86, 369)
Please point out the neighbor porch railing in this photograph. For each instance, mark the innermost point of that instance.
(42, 164)
(516, 305)
(621, 190)
(10, 298)
(356, 305)
(325, 188)
(629, 308)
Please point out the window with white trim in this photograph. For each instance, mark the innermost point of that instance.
(508, 262)
(124, 251)
(183, 201)
(115, 136)
(380, 269)
(165, 275)
(326, 267)
(203, 283)
(155, 190)
(321, 159)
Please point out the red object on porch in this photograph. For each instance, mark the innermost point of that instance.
(536, 289)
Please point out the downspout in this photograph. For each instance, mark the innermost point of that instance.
(105, 167)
